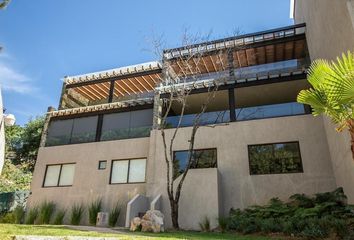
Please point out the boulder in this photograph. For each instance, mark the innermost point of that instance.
(152, 221)
(135, 224)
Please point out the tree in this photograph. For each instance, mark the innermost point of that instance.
(4, 4)
(332, 92)
(14, 178)
(22, 143)
(179, 86)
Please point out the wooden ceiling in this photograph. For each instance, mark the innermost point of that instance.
(122, 87)
(240, 57)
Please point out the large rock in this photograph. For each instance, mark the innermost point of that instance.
(135, 224)
(152, 221)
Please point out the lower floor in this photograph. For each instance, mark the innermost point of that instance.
(239, 164)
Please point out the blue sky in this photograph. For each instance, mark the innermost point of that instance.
(45, 40)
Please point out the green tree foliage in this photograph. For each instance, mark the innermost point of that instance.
(22, 143)
(4, 4)
(14, 178)
(332, 91)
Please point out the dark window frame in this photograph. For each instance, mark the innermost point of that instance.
(99, 165)
(274, 143)
(58, 181)
(199, 149)
(127, 181)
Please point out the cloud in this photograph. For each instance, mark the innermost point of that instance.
(13, 81)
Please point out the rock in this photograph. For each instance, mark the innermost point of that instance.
(102, 219)
(135, 224)
(152, 221)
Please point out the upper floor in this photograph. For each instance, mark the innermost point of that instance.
(258, 76)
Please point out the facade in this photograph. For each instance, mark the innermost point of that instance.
(256, 142)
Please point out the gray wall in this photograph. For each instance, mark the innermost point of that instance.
(239, 189)
(329, 33)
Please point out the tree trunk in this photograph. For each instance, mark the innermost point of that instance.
(351, 131)
(174, 214)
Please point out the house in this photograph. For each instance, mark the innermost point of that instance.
(256, 141)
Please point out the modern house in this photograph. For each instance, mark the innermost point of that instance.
(256, 141)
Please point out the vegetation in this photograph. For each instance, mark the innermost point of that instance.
(77, 210)
(332, 91)
(59, 217)
(320, 216)
(32, 215)
(4, 4)
(114, 215)
(94, 208)
(14, 178)
(205, 224)
(46, 210)
(8, 230)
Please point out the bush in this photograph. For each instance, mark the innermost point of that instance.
(46, 210)
(59, 217)
(114, 215)
(19, 213)
(31, 215)
(205, 224)
(311, 217)
(8, 218)
(77, 211)
(223, 223)
(94, 208)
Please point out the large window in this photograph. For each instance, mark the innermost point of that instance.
(275, 158)
(128, 171)
(127, 125)
(59, 175)
(77, 130)
(203, 158)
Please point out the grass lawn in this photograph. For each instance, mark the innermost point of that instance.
(8, 230)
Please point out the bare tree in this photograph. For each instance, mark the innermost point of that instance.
(177, 86)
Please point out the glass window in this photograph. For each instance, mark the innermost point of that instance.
(59, 132)
(120, 171)
(275, 158)
(204, 158)
(67, 175)
(59, 175)
(140, 123)
(102, 164)
(128, 171)
(52, 176)
(137, 170)
(84, 129)
(115, 126)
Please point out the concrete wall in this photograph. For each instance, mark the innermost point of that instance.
(329, 33)
(89, 182)
(239, 189)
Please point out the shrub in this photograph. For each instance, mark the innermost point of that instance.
(320, 216)
(94, 208)
(46, 210)
(114, 215)
(31, 215)
(205, 224)
(77, 211)
(223, 224)
(8, 218)
(59, 217)
(19, 213)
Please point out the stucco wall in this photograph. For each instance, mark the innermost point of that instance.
(89, 182)
(239, 189)
(329, 33)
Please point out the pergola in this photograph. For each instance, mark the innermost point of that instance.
(237, 52)
(108, 86)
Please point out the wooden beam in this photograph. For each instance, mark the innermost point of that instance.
(141, 91)
(143, 77)
(141, 84)
(122, 82)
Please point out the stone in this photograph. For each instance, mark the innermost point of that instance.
(135, 224)
(152, 221)
(102, 219)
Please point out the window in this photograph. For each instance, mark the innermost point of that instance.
(275, 158)
(77, 130)
(203, 158)
(128, 171)
(102, 165)
(59, 175)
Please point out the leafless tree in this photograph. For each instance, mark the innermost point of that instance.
(177, 87)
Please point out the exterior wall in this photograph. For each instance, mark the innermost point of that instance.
(329, 33)
(89, 182)
(239, 189)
